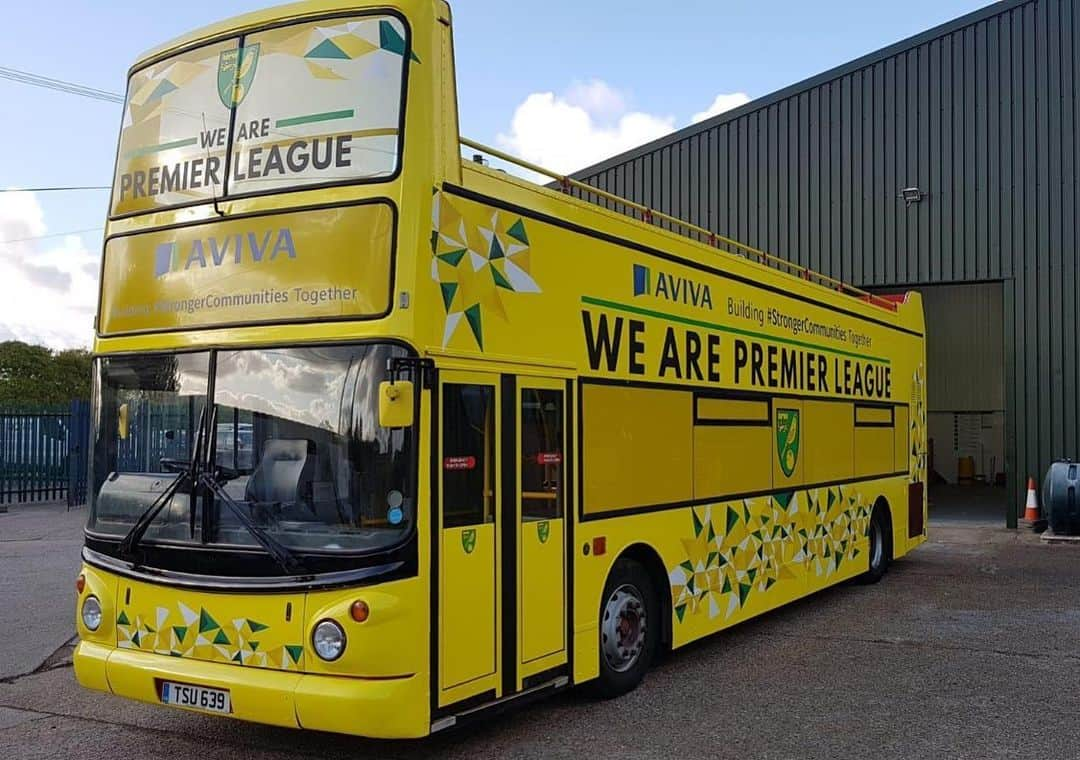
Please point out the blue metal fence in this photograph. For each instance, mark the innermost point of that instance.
(43, 454)
(156, 430)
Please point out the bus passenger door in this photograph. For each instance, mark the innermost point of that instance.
(541, 501)
(468, 535)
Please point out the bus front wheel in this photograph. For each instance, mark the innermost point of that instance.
(629, 628)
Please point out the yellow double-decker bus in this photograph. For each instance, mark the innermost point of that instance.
(384, 438)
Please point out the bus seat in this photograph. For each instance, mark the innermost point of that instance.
(284, 472)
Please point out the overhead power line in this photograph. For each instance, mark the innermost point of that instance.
(51, 189)
(51, 235)
(61, 85)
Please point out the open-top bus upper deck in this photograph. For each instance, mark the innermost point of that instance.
(258, 149)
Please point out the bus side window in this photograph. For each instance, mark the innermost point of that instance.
(733, 446)
(468, 434)
(875, 439)
(541, 454)
(828, 445)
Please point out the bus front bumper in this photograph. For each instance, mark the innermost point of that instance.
(380, 708)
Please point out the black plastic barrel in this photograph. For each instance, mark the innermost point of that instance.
(1061, 498)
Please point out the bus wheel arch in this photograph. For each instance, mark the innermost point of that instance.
(649, 559)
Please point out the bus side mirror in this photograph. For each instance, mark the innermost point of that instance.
(122, 421)
(396, 404)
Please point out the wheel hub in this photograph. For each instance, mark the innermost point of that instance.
(623, 628)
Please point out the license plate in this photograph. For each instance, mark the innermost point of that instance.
(196, 697)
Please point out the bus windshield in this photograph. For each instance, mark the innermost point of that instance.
(296, 446)
(315, 103)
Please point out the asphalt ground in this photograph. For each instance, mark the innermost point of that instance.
(969, 648)
(39, 559)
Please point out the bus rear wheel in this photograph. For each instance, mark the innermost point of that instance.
(879, 546)
(629, 629)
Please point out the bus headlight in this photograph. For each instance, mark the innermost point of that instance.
(91, 613)
(328, 639)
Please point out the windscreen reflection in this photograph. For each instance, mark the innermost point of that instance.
(299, 447)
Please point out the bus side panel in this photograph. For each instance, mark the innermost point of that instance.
(728, 562)
(718, 399)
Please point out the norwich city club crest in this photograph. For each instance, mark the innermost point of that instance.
(236, 70)
(787, 439)
(468, 540)
(543, 530)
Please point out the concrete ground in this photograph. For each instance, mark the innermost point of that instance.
(970, 503)
(967, 649)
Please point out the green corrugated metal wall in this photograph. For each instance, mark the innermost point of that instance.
(980, 114)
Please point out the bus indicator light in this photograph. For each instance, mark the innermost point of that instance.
(599, 546)
(359, 611)
(80, 583)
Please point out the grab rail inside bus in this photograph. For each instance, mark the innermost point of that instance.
(700, 234)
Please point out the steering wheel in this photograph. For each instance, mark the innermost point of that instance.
(173, 464)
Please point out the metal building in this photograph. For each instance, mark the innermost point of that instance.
(947, 159)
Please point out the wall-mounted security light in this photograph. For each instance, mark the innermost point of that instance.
(911, 195)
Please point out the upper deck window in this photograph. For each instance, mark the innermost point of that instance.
(299, 105)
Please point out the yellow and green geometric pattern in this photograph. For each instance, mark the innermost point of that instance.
(478, 258)
(183, 632)
(917, 463)
(152, 89)
(744, 548)
(346, 41)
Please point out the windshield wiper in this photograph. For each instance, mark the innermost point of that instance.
(283, 555)
(132, 538)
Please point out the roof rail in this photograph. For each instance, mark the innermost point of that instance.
(700, 234)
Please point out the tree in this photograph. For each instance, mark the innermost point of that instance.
(73, 372)
(35, 375)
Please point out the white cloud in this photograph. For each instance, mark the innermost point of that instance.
(598, 98)
(725, 101)
(48, 287)
(588, 123)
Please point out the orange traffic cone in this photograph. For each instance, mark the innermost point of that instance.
(1031, 509)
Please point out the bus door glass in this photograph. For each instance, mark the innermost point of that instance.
(541, 483)
(468, 535)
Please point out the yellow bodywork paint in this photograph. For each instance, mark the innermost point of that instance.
(730, 425)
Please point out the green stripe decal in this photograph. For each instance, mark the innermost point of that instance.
(311, 118)
(159, 148)
(614, 306)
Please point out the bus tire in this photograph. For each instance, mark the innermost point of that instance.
(880, 546)
(629, 629)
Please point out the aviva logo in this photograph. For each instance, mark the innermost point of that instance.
(671, 288)
(176, 256)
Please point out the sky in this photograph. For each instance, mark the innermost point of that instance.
(563, 83)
